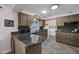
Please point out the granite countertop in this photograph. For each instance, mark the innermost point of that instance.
(68, 32)
(29, 39)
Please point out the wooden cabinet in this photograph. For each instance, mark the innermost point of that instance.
(29, 20)
(72, 18)
(12, 44)
(42, 22)
(35, 49)
(60, 21)
(19, 47)
(77, 17)
(24, 19)
(66, 19)
(68, 38)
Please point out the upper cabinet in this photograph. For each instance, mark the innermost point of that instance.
(42, 22)
(24, 19)
(60, 21)
(29, 20)
(72, 18)
(66, 19)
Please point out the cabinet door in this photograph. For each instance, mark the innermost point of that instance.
(42, 22)
(19, 19)
(74, 18)
(19, 47)
(13, 44)
(24, 19)
(35, 49)
(29, 20)
(58, 37)
(66, 19)
(60, 21)
(57, 22)
(77, 17)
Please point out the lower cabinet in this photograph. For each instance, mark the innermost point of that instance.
(68, 38)
(35, 49)
(19, 47)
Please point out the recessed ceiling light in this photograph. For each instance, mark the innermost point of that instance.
(44, 11)
(54, 6)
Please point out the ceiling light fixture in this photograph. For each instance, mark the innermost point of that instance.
(54, 6)
(44, 11)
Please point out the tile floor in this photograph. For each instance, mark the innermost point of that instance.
(50, 46)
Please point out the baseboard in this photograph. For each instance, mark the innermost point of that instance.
(4, 52)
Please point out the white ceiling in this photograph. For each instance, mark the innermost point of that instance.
(38, 8)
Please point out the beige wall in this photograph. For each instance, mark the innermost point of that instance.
(52, 26)
(5, 32)
(51, 22)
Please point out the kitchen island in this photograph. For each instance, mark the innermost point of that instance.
(27, 43)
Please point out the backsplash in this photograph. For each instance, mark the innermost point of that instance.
(69, 27)
(24, 29)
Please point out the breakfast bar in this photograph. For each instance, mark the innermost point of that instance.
(27, 43)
